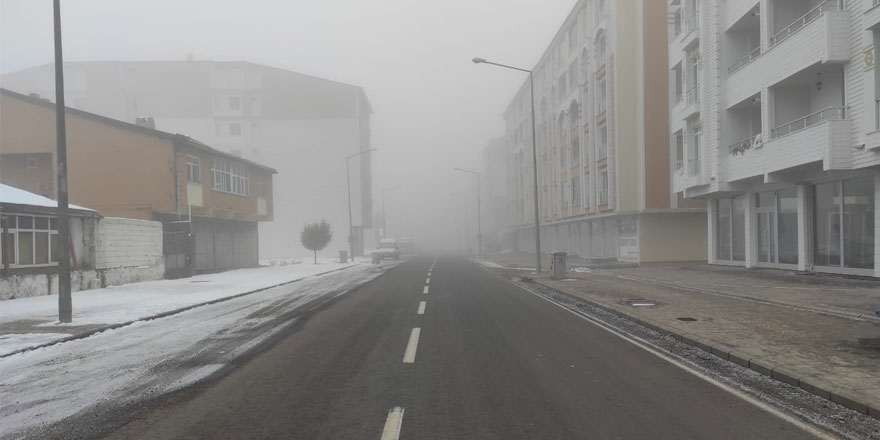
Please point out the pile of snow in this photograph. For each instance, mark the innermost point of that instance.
(131, 302)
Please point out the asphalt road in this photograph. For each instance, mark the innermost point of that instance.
(492, 362)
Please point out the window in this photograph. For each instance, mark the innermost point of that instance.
(234, 103)
(31, 241)
(730, 229)
(601, 97)
(193, 169)
(573, 74)
(575, 190)
(602, 143)
(844, 219)
(574, 135)
(234, 129)
(230, 177)
(563, 86)
(30, 162)
(603, 187)
(600, 49)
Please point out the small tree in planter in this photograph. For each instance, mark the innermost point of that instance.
(316, 236)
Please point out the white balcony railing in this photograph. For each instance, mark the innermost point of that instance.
(694, 166)
(692, 23)
(828, 114)
(693, 94)
(742, 62)
(803, 20)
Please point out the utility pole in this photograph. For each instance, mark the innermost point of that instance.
(65, 306)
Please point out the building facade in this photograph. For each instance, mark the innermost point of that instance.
(209, 202)
(304, 126)
(603, 164)
(774, 125)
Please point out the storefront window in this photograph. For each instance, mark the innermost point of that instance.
(723, 229)
(858, 223)
(739, 229)
(787, 221)
(845, 223)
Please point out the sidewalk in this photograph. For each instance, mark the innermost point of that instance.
(27, 323)
(773, 322)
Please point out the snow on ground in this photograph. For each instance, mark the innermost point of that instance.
(145, 359)
(130, 302)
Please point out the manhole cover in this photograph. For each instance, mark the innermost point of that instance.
(687, 319)
(639, 302)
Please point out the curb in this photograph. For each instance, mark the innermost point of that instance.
(763, 366)
(94, 331)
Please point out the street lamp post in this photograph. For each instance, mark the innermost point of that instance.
(348, 185)
(385, 219)
(534, 155)
(479, 217)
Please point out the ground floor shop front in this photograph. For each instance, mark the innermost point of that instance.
(648, 236)
(823, 225)
(208, 245)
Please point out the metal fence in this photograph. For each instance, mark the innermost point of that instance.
(828, 114)
(804, 20)
(742, 62)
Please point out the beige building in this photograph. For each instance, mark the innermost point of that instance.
(126, 170)
(604, 167)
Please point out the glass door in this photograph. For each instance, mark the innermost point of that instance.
(767, 227)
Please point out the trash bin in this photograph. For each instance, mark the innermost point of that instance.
(376, 258)
(557, 265)
(343, 257)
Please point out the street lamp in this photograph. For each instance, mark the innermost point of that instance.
(385, 219)
(479, 218)
(348, 184)
(479, 60)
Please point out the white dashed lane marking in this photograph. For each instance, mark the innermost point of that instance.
(392, 424)
(421, 310)
(409, 356)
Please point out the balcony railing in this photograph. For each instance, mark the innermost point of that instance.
(679, 95)
(694, 166)
(692, 23)
(693, 94)
(804, 20)
(745, 145)
(828, 114)
(742, 62)
(877, 104)
(678, 27)
(679, 165)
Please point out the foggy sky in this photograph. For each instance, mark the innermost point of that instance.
(433, 109)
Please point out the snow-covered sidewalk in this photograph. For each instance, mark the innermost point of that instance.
(31, 322)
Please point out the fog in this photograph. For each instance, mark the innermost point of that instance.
(433, 109)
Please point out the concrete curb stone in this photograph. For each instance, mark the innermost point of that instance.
(764, 367)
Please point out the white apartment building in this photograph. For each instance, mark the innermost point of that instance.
(302, 125)
(603, 161)
(774, 118)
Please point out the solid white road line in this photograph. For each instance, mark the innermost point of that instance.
(392, 424)
(645, 345)
(421, 308)
(426, 289)
(409, 356)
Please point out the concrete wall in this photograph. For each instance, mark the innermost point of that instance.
(128, 251)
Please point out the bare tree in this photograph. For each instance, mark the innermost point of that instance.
(316, 236)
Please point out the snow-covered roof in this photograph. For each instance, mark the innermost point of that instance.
(15, 196)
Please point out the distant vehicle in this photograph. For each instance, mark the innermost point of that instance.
(388, 248)
(407, 246)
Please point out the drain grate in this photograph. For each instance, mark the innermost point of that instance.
(639, 302)
(687, 319)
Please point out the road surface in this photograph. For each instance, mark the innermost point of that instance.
(473, 358)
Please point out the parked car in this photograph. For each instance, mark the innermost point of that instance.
(388, 248)
(407, 246)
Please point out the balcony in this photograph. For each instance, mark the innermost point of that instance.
(692, 105)
(823, 137)
(819, 36)
(872, 16)
(742, 62)
(743, 146)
